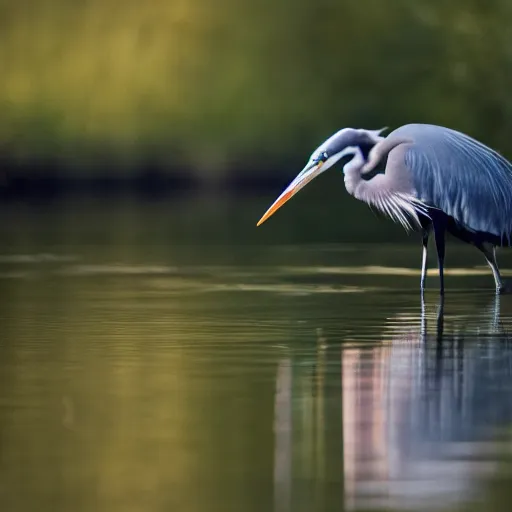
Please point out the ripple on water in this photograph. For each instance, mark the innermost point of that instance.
(225, 364)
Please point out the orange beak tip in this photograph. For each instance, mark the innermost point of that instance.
(275, 207)
(264, 218)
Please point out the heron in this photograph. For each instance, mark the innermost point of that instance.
(427, 178)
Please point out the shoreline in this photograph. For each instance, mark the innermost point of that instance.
(47, 185)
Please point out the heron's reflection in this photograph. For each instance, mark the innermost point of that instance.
(420, 410)
(283, 436)
(430, 399)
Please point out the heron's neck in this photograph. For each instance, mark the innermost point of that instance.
(369, 191)
(352, 174)
(392, 192)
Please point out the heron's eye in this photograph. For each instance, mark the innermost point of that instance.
(321, 157)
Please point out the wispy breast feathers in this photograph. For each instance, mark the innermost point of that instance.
(395, 199)
(401, 208)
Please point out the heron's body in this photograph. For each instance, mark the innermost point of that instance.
(431, 179)
(461, 177)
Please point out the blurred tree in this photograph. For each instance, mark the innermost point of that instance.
(214, 84)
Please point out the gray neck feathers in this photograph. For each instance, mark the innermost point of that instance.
(392, 193)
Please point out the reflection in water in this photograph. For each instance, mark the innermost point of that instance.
(140, 374)
(300, 450)
(417, 410)
(420, 414)
(283, 437)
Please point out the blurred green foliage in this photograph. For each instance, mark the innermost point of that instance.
(213, 85)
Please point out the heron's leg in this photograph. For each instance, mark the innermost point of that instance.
(495, 313)
(423, 329)
(425, 234)
(440, 319)
(490, 257)
(439, 233)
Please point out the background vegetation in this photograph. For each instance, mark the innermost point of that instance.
(240, 87)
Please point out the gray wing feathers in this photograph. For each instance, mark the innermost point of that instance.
(462, 177)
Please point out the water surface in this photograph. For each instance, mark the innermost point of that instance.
(146, 364)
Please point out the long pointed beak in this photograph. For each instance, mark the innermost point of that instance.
(304, 177)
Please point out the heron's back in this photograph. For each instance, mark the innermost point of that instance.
(461, 176)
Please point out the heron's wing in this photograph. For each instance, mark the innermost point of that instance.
(463, 178)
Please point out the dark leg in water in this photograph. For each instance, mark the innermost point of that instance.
(439, 234)
(425, 234)
(490, 257)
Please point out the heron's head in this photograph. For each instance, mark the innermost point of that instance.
(352, 144)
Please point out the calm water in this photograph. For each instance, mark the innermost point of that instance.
(157, 357)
